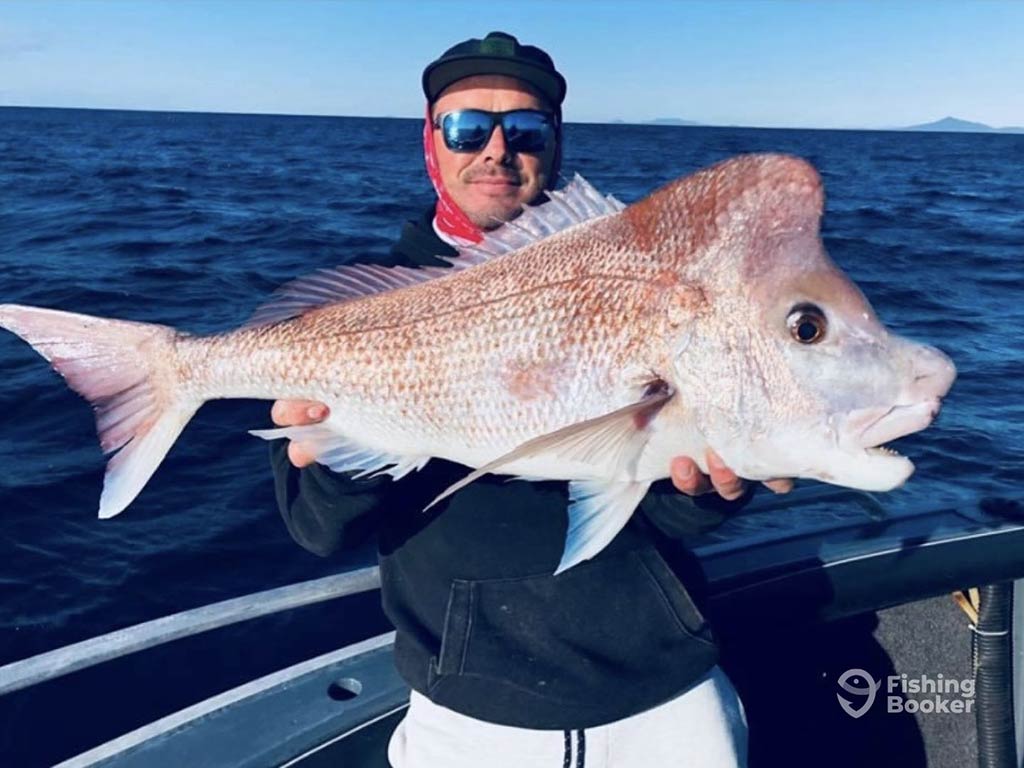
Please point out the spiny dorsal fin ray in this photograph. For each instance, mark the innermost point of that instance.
(577, 203)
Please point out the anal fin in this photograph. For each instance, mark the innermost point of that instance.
(343, 454)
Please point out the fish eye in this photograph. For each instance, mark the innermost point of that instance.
(807, 324)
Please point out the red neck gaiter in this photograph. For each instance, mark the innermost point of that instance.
(448, 216)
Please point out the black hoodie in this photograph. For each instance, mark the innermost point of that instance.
(483, 627)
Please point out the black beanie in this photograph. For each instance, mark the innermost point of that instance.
(497, 54)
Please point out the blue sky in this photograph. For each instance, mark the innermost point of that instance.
(826, 64)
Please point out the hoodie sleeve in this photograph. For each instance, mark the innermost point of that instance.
(679, 516)
(325, 511)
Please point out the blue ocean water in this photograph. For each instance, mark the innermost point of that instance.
(192, 219)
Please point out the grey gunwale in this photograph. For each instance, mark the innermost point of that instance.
(151, 732)
(121, 642)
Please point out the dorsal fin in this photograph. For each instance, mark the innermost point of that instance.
(578, 202)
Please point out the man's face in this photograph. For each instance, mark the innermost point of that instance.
(491, 186)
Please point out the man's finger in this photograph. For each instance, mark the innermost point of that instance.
(687, 477)
(293, 413)
(726, 482)
(780, 485)
(299, 455)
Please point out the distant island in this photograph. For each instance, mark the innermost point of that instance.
(671, 121)
(657, 121)
(956, 125)
(946, 124)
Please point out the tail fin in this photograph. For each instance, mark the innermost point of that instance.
(128, 374)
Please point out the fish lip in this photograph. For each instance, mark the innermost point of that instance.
(894, 422)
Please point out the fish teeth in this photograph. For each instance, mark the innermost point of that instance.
(882, 450)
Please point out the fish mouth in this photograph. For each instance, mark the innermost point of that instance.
(854, 454)
(878, 426)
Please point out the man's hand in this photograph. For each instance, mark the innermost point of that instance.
(296, 413)
(688, 478)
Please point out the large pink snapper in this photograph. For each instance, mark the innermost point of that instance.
(586, 342)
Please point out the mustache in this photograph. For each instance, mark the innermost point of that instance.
(478, 174)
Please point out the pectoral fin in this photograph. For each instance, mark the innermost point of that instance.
(610, 445)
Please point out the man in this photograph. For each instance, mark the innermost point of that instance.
(609, 663)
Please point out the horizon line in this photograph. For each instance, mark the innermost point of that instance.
(657, 122)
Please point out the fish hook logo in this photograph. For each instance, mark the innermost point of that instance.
(848, 682)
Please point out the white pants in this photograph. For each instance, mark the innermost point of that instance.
(704, 727)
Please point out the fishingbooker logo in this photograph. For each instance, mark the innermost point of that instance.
(925, 694)
(858, 682)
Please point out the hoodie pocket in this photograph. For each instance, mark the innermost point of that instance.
(561, 637)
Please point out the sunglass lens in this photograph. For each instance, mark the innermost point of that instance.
(527, 131)
(467, 131)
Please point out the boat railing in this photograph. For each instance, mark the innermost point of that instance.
(71, 658)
